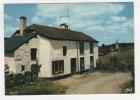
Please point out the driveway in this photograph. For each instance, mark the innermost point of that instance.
(95, 83)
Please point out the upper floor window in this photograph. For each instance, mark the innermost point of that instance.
(33, 53)
(81, 46)
(91, 47)
(22, 68)
(64, 50)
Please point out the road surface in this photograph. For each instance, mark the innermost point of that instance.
(95, 83)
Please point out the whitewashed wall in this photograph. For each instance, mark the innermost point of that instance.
(56, 52)
(44, 57)
(48, 51)
(10, 61)
(96, 56)
(22, 58)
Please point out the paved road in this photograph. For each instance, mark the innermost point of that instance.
(100, 84)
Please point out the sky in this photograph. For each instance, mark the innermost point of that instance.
(106, 22)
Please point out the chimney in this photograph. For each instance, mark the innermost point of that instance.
(22, 25)
(64, 26)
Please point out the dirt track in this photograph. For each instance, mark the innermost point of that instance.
(95, 83)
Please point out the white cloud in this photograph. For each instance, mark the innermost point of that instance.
(129, 23)
(50, 10)
(118, 18)
(8, 30)
(37, 19)
(78, 12)
(102, 18)
(7, 17)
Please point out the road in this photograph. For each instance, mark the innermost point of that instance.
(95, 83)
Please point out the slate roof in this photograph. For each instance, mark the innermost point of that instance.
(31, 31)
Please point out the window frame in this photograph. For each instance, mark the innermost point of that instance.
(64, 50)
(92, 61)
(57, 67)
(82, 63)
(81, 47)
(22, 68)
(91, 47)
(33, 53)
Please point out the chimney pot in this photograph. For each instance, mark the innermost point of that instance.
(64, 26)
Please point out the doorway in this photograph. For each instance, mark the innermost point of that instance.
(73, 65)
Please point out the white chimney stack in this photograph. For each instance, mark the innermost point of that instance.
(22, 25)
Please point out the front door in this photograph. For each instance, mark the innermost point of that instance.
(73, 65)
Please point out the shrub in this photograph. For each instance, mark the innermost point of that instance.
(29, 77)
(18, 79)
(116, 63)
(40, 87)
(9, 80)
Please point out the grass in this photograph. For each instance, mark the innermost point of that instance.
(127, 56)
(128, 87)
(39, 87)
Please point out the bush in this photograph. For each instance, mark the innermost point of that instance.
(29, 77)
(9, 80)
(40, 87)
(114, 64)
(18, 79)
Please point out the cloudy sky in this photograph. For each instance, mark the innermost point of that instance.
(107, 22)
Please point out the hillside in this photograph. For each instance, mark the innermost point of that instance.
(127, 56)
(121, 60)
(105, 49)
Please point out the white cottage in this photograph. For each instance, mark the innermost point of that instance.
(49, 51)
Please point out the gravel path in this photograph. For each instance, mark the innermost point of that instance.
(95, 83)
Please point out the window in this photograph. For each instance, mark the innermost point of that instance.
(33, 53)
(91, 47)
(82, 66)
(81, 47)
(57, 67)
(91, 61)
(22, 68)
(6, 69)
(64, 50)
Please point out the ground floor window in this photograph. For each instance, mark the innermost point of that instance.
(57, 66)
(91, 61)
(6, 69)
(82, 65)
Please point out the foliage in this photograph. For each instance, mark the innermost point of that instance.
(40, 87)
(28, 84)
(115, 64)
(128, 87)
(18, 79)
